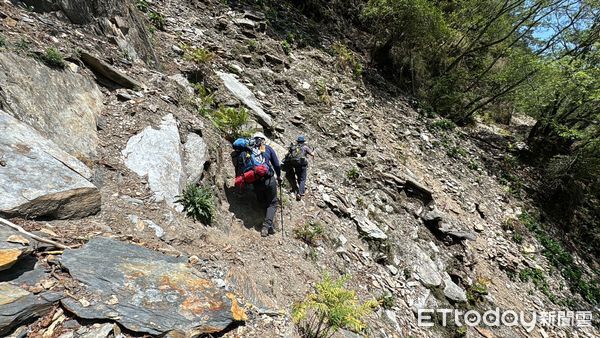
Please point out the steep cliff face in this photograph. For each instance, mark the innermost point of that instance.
(411, 209)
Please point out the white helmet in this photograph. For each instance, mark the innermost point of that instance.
(259, 135)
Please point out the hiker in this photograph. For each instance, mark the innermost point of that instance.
(257, 165)
(297, 163)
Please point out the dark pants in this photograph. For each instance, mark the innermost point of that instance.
(299, 175)
(266, 193)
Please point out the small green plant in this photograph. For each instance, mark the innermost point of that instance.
(517, 237)
(477, 290)
(206, 99)
(443, 124)
(353, 174)
(252, 45)
(473, 165)
(310, 232)
(331, 308)
(461, 331)
(285, 45)
(323, 92)
(53, 58)
(2, 41)
(157, 20)
(347, 59)
(386, 300)
(198, 203)
(230, 120)
(142, 5)
(198, 55)
(456, 152)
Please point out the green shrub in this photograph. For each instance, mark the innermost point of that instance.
(206, 99)
(287, 48)
(386, 300)
(157, 19)
(347, 59)
(198, 55)
(443, 124)
(230, 121)
(53, 58)
(198, 203)
(353, 174)
(142, 5)
(310, 232)
(330, 308)
(456, 152)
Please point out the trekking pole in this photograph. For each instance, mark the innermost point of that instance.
(281, 207)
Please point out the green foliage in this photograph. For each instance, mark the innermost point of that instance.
(157, 20)
(23, 45)
(53, 58)
(323, 92)
(287, 48)
(477, 290)
(2, 41)
(353, 174)
(386, 300)
(198, 55)
(443, 124)
(457, 152)
(331, 308)
(252, 45)
(347, 59)
(206, 99)
(561, 259)
(517, 237)
(230, 121)
(142, 5)
(198, 203)
(310, 232)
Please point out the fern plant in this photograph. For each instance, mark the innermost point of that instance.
(53, 58)
(310, 232)
(198, 203)
(330, 308)
(230, 121)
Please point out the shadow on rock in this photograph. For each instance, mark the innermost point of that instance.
(244, 205)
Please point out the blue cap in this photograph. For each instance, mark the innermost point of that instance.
(301, 139)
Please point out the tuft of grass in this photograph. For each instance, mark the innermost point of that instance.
(230, 121)
(52, 57)
(330, 308)
(347, 59)
(353, 174)
(157, 20)
(198, 55)
(456, 152)
(310, 232)
(198, 203)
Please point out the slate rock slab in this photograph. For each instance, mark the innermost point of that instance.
(157, 153)
(245, 95)
(146, 291)
(38, 178)
(18, 306)
(369, 229)
(102, 68)
(196, 155)
(10, 252)
(61, 105)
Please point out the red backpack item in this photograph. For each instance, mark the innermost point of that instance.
(251, 176)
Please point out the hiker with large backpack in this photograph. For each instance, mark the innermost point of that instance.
(257, 164)
(296, 162)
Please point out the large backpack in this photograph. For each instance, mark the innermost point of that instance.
(253, 165)
(296, 157)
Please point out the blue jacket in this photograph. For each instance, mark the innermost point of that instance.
(272, 159)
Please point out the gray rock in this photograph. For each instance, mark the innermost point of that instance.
(453, 291)
(369, 229)
(426, 269)
(40, 179)
(182, 82)
(432, 215)
(61, 105)
(10, 250)
(157, 294)
(243, 283)
(99, 331)
(245, 95)
(157, 154)
(103, 69)
(196, 154)
(19, 306)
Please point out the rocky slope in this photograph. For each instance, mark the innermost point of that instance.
(95, 154)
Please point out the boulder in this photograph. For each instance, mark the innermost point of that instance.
(146, 291)
(103, 69)
(369, 229)
(18, 306)
(157, 154)
(426, 269)
(61, 105)
(196, 154)
(452, 291)
(245, 95)
(37, 178)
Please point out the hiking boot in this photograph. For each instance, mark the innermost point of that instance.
(271, 230)
(298, 197)
(264, 232)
